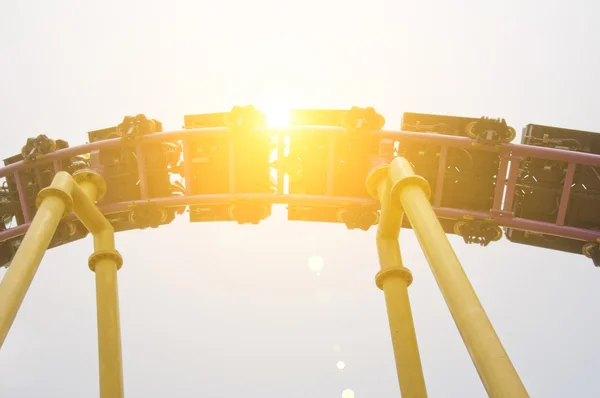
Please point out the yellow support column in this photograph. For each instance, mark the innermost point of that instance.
(495, 368)
(104, 262)
(110, 361)
(394, 279)
(54, 202)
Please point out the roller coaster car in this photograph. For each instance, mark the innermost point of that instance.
(35, 178)
(487, 130)
(211, 160)
(120, 170)
(37, 147)
(142, 217)
(540, 183)
(354, 153)
(366, 119)
(118, 166)
(470, 176)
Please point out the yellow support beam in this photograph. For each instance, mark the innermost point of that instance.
(76, 193)
(394, 279)
(54, 203)
(104, 262)
(411, 194)
(109, 330)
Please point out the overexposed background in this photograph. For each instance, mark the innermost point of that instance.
(221, 310)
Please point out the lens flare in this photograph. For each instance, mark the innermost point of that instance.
(348, 393)
(316, 264)
(278, 116)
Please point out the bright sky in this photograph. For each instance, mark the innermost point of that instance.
(223, 310)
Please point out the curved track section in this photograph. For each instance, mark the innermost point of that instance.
(542, 193)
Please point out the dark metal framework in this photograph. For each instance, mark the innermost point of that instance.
(512, 167)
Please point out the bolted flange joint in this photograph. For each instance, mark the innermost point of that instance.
(94, 177)
(401, 175)
(400, 271)
(374, 178)
(58, 192)
(105, 255)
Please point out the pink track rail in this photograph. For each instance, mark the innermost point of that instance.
(510, 158)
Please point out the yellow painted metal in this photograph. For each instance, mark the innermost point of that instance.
(489, 356)
(54, 202)
(20, 274)
(90, 216)
(104, 262)
(398, 189)
(394, 280)
(109, 333)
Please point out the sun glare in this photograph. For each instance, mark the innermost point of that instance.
(278, 117)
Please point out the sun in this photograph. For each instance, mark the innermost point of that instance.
(278, 116)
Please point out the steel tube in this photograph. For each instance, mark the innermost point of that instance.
(105, 267)
(500, 184)
(22, 191)
(495, 369)
(57, 166)
(187, 166)
(24, 265)
(566, 194)
(439, 183)
(109, 330)
(394, 280)
(586, 235)
(435, 139)
(142, 171)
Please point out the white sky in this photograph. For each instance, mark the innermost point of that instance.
(234, 311)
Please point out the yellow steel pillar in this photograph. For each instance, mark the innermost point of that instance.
(54, 202)
(104, 262)
(394, 279)
(495, 369)
(109, 331)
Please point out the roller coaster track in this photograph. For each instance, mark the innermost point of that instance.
(392, 181)
(510, 156)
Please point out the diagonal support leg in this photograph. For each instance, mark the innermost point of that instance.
(394, 279)
(54, 203)
(411, 193)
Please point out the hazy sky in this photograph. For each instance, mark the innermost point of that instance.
(221, 310)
